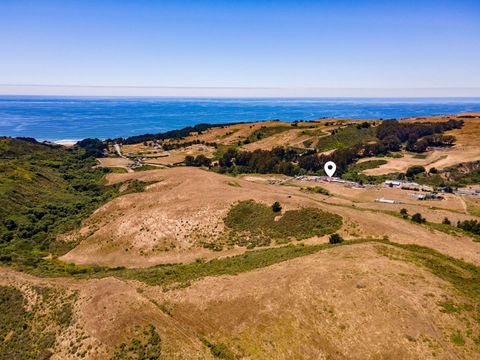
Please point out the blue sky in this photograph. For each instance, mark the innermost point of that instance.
(240, 44)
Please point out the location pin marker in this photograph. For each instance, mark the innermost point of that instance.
(330, 168)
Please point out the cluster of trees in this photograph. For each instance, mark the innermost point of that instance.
(382, 147)
(92, 147)
(403, 131)
(418, 136)
(172, 134)
(199, 160)
(172, 146)
(363, 125)
(278, 160)
(291, 162)
(414, 170)
(28, 139)
(417, 217)
(345, 157)
(472, 226)
(391, 135)
(421, 145)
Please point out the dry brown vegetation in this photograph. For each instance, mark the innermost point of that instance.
(385, 299)
(346, 302)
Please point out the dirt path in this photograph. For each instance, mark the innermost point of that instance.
(464, 204)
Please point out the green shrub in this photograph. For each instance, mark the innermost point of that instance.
(417, 217)
(414, 170)
(146, 345)
(472, 226)
(335, 239)
(220, 351)
(250, 222)
(317, 190)
(458, 339)
(276, 207)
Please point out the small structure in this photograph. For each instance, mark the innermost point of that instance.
(387, 201)
(401, 184)
(430, 196)
(466, 191)
(326, 179)
(393, 183)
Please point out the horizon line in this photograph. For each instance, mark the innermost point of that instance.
(246, 87)
(10, 89)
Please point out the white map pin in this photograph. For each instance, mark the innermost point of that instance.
(330, 168)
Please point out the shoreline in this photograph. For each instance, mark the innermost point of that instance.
(65, 142)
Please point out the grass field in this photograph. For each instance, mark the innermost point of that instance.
(267, 131)
(354, 172)
(346, 137)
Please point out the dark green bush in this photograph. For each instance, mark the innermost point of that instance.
(276, 207)
(417, 217)
(335, 239)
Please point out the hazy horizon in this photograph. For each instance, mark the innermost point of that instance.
(233, 92)
(236, 49)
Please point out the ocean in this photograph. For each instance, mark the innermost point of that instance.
(75, 118)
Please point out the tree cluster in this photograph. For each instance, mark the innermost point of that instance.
(472, 226)
(92, 147)
(414, 170)
(172, 134)
(418, 218)
(291, 162)
(199, 160)
(418, 136)
(278, 160)
(430, 140)
(172, 146)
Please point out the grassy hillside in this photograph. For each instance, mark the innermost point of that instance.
(266, 131)
(253, 224)
(346, 137)
(44, 191)
(459, 175)
(31, 333)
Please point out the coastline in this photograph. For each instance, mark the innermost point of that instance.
(65, 142)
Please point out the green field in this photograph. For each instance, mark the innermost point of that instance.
(353, 172)
(346, 137)
(266, 131)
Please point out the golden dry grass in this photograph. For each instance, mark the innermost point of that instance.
(169, 222)
(349, 302)
(114, 162)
